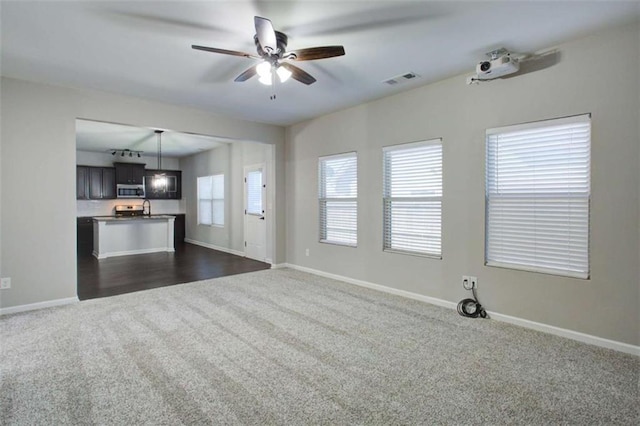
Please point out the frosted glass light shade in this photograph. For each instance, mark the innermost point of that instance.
(266, 80)
(264, 69)
(283, 73)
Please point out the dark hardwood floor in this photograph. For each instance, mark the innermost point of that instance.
(125, 274)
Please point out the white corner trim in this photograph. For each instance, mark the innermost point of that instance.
(279, 265)
(214, 247)
(38, 305)
(545, 328)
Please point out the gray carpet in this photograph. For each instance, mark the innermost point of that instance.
(285, 347)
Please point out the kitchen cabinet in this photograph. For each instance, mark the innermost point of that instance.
(129, 173)
(82, 182)
(124, 236)
(84, 243)
(179, 229)
(95, 183)
(168, 187)
(102, 183)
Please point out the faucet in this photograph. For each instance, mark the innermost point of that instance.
(148, 204)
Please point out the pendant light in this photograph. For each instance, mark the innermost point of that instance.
(160, 179)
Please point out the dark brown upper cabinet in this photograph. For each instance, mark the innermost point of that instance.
(95, 183)
(129, 173)
(82, 182)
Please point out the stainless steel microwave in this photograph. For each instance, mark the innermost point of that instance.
(130, 191)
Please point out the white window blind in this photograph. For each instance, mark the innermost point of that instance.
(338, 199)
(537, 196)
(254, 193)
(413, 198)
(211, 200)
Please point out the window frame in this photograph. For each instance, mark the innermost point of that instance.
(586, 199)
(387, 200)
(211, 201)
(323, 200)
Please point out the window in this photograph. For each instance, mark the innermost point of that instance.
(211, 200)
(413, 198)
(537, 196)
(338, 192)
(254, 192)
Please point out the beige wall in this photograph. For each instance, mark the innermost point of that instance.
(583, 81)
(37, 175)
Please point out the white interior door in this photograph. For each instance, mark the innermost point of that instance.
(255, 221)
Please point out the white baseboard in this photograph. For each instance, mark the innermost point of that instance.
(385, 289)
(570, 334)
(545, 328)
(280, 265)
(214, 247)
(38, 305)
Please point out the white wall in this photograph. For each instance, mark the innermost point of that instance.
(38, 205)
(583, 81)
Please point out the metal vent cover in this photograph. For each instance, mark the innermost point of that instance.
(402, 78)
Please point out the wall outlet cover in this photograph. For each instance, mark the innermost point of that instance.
(5, 283)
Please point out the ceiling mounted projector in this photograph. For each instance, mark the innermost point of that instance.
(500, 64)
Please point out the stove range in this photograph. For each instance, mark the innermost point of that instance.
(129, 210)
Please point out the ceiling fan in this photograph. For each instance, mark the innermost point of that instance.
(272, 49)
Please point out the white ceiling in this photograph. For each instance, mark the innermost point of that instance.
(143, 48)
(97, 136)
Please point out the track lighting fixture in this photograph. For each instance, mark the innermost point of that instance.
(124, 152)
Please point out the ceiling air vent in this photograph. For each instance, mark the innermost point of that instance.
(402, 78)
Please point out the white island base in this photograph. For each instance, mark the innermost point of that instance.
(125, 236)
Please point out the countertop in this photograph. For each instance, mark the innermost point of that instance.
(133, 218)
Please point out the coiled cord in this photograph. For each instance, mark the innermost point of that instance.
(471, 308)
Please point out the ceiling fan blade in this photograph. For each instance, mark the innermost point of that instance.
(266, 34)
(298, 74)
(224, 51)
(315, 53)
(246, 75)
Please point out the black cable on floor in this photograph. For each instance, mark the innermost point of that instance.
(471, 308)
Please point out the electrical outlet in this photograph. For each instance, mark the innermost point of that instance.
(466, 282)
(306, 252)
(474, 282)
(469, 282)
(5, 283)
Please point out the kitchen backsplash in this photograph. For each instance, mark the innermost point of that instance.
(106, 207)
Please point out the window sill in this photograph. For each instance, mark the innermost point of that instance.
(524, 268)
(410, 253)
(335, 243)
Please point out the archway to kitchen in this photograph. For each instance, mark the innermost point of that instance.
(190, 228)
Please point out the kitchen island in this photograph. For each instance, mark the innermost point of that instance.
(123, 236)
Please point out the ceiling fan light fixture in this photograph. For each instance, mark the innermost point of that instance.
(266, 80)
(283, 74)
(264, 70)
